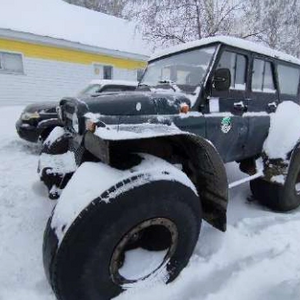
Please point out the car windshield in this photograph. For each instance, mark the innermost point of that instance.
(186, 69)
(91, 90)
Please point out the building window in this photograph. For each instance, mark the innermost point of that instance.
(103, 72)
(11, 63)
(107, 72)
(288, 78)
(237, 65)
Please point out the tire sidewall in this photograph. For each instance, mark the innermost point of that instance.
(289, 196)
(89, 243)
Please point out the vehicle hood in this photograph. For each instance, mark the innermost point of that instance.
(134, 103)
(49, 105)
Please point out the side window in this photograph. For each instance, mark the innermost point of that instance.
(11, 63)
(237, 65)
(288, 78)
(262, 77)
(115, 88)
(139, 74)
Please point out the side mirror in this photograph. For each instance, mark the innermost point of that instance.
(222, 79)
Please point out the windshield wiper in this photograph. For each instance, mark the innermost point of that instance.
(170, 83)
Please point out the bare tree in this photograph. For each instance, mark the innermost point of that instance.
(169, 22)
(275, 23)
(175, 21)
(110, 7)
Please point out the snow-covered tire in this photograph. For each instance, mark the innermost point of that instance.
(276, 196)
(84, 261)
(45, 133)
(57, 143)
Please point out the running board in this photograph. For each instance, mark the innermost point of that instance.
(260, 173)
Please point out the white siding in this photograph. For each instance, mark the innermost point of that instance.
(46, 80)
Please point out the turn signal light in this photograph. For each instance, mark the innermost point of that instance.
(184, 108)
(90, 126)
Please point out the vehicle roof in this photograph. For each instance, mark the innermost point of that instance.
(230, 41)
(114, 82)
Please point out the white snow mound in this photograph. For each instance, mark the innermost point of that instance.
(284, 130)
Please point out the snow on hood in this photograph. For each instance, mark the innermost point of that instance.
(58, 19)
(284, 131)
(40, 106)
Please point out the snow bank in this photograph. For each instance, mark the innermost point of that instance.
(92, 179)
(284, 130)
(58, 19)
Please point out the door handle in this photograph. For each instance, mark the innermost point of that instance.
(240, 106)
(272, 105)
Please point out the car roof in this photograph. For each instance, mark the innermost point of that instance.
(114, 82)
(230, 41)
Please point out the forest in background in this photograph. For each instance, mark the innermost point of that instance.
(170, 22)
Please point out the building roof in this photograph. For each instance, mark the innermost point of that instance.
(60, 20)
(231, 41)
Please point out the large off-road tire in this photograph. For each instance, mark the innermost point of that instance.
(84, 261)
(280, 197)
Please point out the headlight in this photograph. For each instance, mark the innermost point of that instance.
(75, 123)
(27, 116)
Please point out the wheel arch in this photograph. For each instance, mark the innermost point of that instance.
(208, 171)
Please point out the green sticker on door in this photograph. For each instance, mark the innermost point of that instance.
(226, 124)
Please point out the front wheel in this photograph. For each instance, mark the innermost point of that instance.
(145, 233)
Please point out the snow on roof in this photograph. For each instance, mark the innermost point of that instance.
(60, 20)
(231, 41)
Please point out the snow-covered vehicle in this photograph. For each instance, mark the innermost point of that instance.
(139, 173)
(38, 119)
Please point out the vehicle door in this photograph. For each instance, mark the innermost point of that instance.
(263, 100)
(226, 127)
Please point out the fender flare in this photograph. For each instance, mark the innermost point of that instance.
(211, 179)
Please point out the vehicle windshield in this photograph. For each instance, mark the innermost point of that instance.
(186, 69)
(91, 89)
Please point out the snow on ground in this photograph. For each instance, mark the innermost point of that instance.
(257, 258)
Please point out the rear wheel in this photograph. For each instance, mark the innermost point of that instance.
(280, 197)
(146, 233)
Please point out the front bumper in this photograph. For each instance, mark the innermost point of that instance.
(28, 132)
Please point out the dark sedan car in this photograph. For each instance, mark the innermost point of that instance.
(37, 120)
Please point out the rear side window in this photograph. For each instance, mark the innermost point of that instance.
(262, 77)
(237, 64)
(288, 78)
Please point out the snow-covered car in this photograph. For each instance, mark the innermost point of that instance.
(38, 119)
(137, 172)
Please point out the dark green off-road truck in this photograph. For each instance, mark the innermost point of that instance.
(137, 171)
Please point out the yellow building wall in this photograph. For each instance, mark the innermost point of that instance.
(67, 55)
